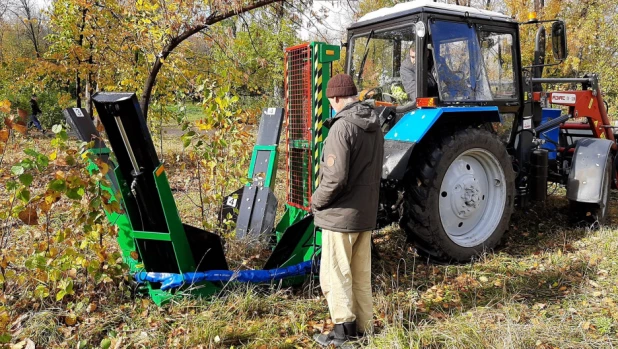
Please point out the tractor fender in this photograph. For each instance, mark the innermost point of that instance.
(413, 126)
(588, 167)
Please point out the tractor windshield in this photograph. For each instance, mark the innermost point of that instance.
(497, 51)
(460, 71)
(383, 64)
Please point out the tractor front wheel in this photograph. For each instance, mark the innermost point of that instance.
(459, 198)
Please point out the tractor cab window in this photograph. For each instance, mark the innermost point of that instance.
(497, 50)
(459, 68)
(383, 64)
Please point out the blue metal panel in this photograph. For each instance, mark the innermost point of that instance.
(415, 124)
(552, 134)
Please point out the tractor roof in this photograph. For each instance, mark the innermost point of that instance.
(417, 6)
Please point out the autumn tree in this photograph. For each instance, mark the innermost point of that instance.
(77, 28)
(592, 44)
(125, 44)
(247, 51)
(170, 22)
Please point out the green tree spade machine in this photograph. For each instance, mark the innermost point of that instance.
(172, 258)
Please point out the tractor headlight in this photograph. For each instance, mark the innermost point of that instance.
(420, 29)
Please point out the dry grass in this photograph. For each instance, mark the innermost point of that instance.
(549, 285)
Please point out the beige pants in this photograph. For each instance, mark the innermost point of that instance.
(345, 277)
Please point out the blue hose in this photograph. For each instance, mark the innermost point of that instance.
(171, 280)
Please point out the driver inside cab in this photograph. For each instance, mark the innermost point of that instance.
(400, 90)
(408, 73)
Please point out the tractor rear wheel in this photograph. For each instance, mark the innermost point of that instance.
(459, 195)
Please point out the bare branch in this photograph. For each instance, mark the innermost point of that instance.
(216, 16)
(30, 16)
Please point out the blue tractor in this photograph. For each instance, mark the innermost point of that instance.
(469, 132)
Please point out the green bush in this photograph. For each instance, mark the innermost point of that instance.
(18, 98)
(51, 103)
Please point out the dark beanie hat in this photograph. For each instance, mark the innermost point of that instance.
(341, 85)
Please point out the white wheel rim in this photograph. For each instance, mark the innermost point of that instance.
(472, 197)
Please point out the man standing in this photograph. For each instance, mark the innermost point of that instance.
(35, 111)
(345, 206)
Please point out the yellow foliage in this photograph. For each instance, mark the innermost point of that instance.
(5, 106)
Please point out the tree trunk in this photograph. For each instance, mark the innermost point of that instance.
(35, 41)
(78, 81)
(90, 88)
(150, 82)
(78, 89)
(28, 13)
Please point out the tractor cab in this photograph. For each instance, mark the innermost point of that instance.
(457, 55)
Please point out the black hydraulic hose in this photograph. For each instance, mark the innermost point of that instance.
(551, 124)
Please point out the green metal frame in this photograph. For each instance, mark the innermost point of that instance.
(323, 58)
(311, 239)
(125, 230)
(177, 236)
(272, 161)
(176, 232)
(127, 235)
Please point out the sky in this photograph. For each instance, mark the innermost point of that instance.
(43, 3)
(340, 16)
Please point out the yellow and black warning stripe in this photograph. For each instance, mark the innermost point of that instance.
(317, 116)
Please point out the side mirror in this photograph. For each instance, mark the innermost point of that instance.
(558, 40)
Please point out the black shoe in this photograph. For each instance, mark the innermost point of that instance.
(350, 330)
(341, 334)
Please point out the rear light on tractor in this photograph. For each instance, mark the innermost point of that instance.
(426, 102)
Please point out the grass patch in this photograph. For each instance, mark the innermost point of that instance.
(190, 112)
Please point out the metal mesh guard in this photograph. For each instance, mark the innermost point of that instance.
(298, 115)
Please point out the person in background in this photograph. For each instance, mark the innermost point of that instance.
(34, 106)
(345, 206)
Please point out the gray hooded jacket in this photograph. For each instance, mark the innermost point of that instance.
(346, 199)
